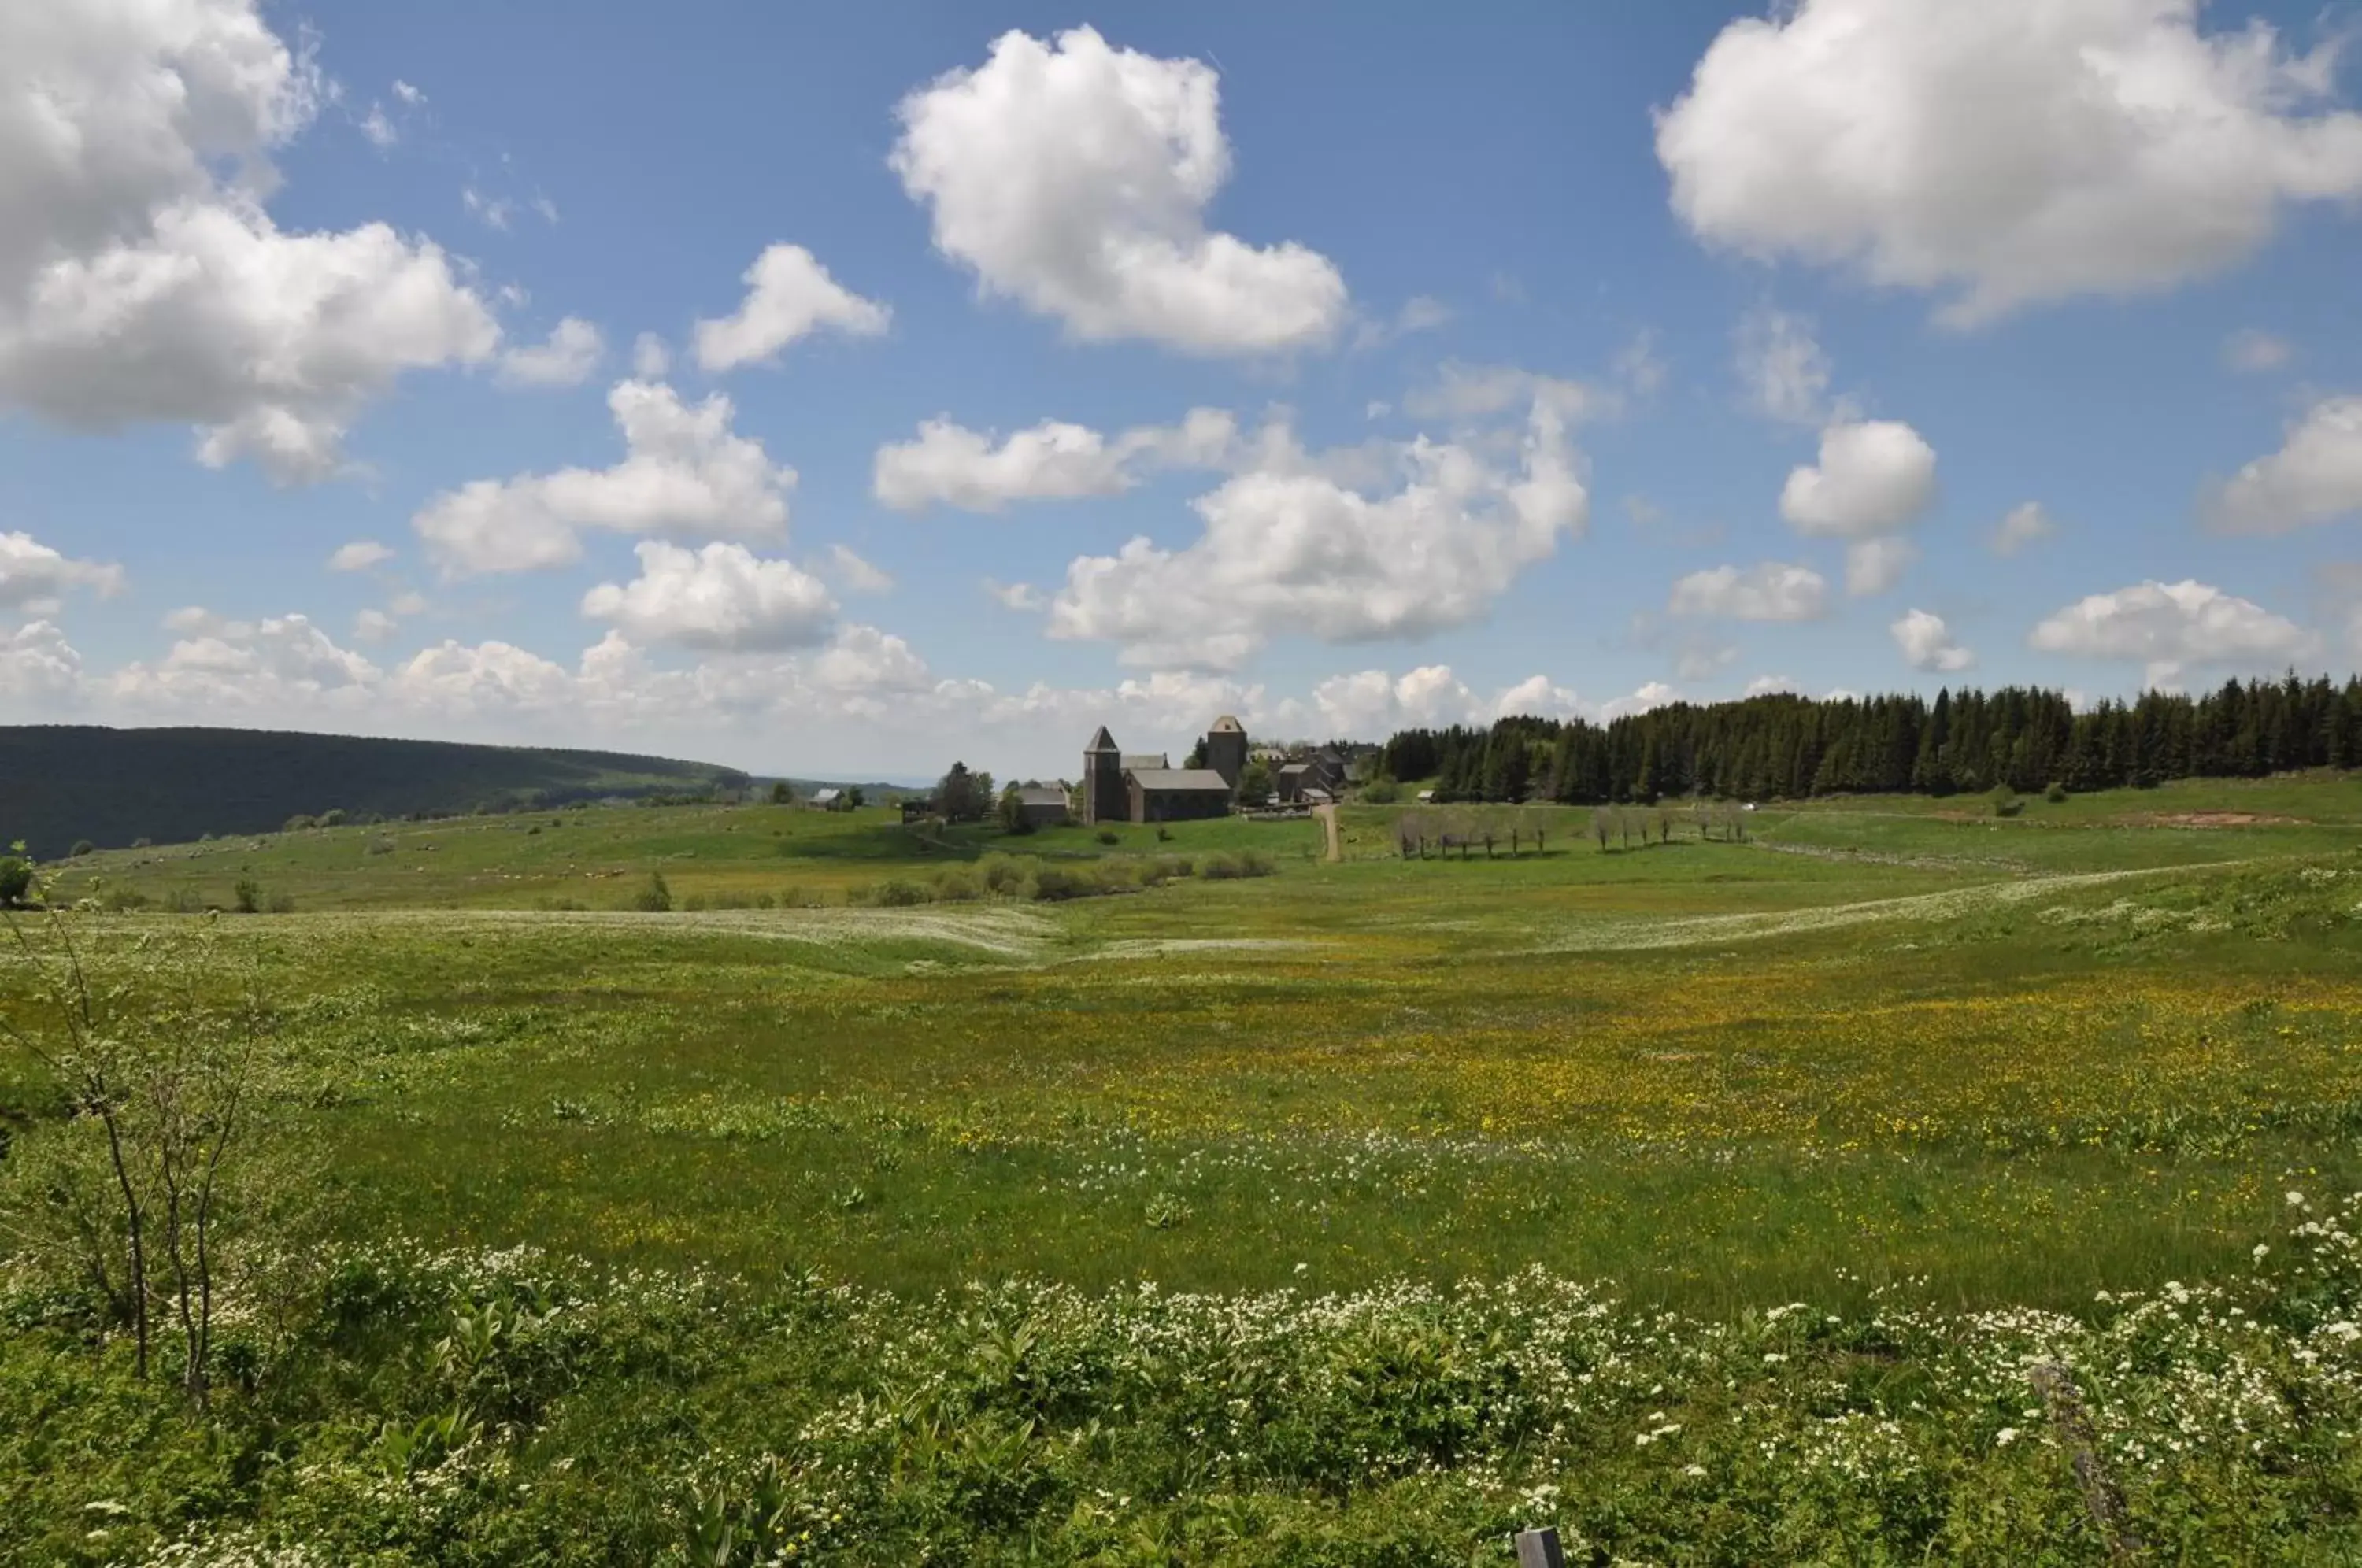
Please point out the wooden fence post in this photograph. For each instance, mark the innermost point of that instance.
(2102, 1498)
(1539, 1549)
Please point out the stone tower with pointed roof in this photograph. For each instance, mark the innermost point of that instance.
(1226, 749)
(1104, 796)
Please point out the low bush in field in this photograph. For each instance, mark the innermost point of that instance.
(1157, 870)
(1048, 881)
(1052, 884)
(957, 887)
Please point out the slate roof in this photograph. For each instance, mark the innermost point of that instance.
(1227, 725)
(1043, 795)
(1133, 761)
(1172, 779)
(1101, 740)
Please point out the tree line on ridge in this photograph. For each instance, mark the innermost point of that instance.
(2021, 739)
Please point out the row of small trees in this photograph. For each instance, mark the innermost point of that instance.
(1724, 819)
(1431, 831)
(1446, 830)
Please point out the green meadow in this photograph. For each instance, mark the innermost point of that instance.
(911, 1195)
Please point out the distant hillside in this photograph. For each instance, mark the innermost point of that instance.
(60, 783)
(875, 788)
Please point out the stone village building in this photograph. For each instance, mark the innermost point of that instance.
(1145, 789)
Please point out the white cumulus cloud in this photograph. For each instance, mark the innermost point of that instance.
(39, 666)
(359, 556)
(567, 360)
(685, 471)
(1874, 565)
(1464, 392)
(723, 596)
(2025, 524)
(1649, 696)
(1021, 596)
(1772, 590)
(1290, 548)
(1875, 476)
(1074, 178)
(142, 277)
(952, 465)
(1375, 703)
(2314, 478)
(1929, 643)
(788, 296)
(2171, 626)
(258, 666)
(854, 573)
(34, 576)
(2004, 152)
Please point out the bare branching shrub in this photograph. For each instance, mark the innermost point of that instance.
(168, 1060)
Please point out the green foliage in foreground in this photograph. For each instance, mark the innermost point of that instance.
(503, 1408)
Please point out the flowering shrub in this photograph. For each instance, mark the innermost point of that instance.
(501, 1406)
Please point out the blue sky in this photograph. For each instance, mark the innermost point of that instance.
(1555, 359)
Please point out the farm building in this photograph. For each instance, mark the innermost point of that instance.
(1226, 749)
(828, 800)
(1044, 805)
(1175, 794)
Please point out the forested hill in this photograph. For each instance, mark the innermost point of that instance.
(62, 783)
(2017, 738)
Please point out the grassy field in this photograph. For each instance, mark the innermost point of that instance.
(598, 858)
(1957, 1082)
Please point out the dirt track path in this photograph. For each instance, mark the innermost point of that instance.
(1327, 816)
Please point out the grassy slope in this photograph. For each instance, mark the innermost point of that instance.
(2025, 1088)
(69, 782)
(600, 855)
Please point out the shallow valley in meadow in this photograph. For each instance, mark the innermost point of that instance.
(858, 1096)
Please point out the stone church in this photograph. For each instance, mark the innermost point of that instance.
(1120, 788)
